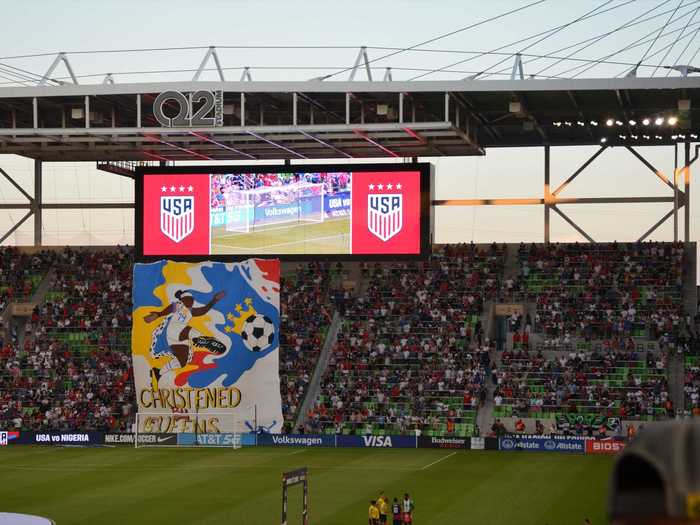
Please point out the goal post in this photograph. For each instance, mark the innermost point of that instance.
(270, 205)
(290, 479)
(203, 429)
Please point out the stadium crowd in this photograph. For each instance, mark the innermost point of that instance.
(71, 365)
(412, 355)
(20, 274)
(614, 383)
(310, 288)
(603, 291)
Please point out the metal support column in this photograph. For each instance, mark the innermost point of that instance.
(547, 195)
(675, 193)
(686, 174)
(37, 207)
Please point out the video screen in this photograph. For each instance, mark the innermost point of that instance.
(295, 211)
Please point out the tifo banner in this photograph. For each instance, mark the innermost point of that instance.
(607, 446)
(205, 345)
(542, 444)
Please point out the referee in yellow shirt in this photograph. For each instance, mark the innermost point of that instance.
(383, 506)
(373, 513)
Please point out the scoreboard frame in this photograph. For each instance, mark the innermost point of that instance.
(427, 176)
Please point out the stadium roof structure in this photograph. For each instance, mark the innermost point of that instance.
(123, 125)
(345, 119)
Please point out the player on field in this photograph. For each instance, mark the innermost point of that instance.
(175, 337)
(407, 508)
(396, 512)
(373, 513)
(383, 505)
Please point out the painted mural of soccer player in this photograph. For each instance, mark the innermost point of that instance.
(175, 337)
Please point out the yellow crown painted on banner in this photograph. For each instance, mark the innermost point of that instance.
(239, 318)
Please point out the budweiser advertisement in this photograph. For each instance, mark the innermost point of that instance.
(604, 447)
(297, 211)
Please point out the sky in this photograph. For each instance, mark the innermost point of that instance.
(77, 26)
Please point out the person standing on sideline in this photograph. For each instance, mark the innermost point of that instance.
(373, 513)
(383, 506)
(407, 507)
(396, 512)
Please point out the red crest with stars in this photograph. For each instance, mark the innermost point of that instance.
(180, 206)
(386, 212)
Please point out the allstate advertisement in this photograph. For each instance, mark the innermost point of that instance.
(542, 444)
(205, 346)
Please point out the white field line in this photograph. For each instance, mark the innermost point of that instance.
(438, 460)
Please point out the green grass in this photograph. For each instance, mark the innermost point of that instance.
(329, 236)
(242, 487)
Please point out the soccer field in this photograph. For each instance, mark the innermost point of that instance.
(330, 236)
(243, 487)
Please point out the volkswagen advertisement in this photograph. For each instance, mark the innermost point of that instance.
(295, 211)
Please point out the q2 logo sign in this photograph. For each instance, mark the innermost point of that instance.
(173, 109)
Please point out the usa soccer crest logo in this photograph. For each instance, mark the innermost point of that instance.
(385, 211)
(177, 216)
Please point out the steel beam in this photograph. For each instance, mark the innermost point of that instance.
(277, 144)
(656, 172)
(222, 145)
(37, 209)
(16, 185)
(327, 144)
(656, 225)
(25, 206)
(61, 57)
(573, 224)
(675, 193)
(88, 206)
(15, 226)
(547, 195)
(211, 53)
(364, 135)
(553, 201)
(686, 175)
(487, 202)
(564, 184)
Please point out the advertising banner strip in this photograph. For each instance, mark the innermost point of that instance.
(542, 444)
(377, 441)
(604, 447)
(296, 440)
(76, 438)
(444, 442)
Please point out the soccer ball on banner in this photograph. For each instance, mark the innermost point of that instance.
(258, 333)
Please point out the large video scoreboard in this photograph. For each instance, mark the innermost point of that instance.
(294, 211)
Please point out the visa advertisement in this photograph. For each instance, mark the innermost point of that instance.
(345, 210)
